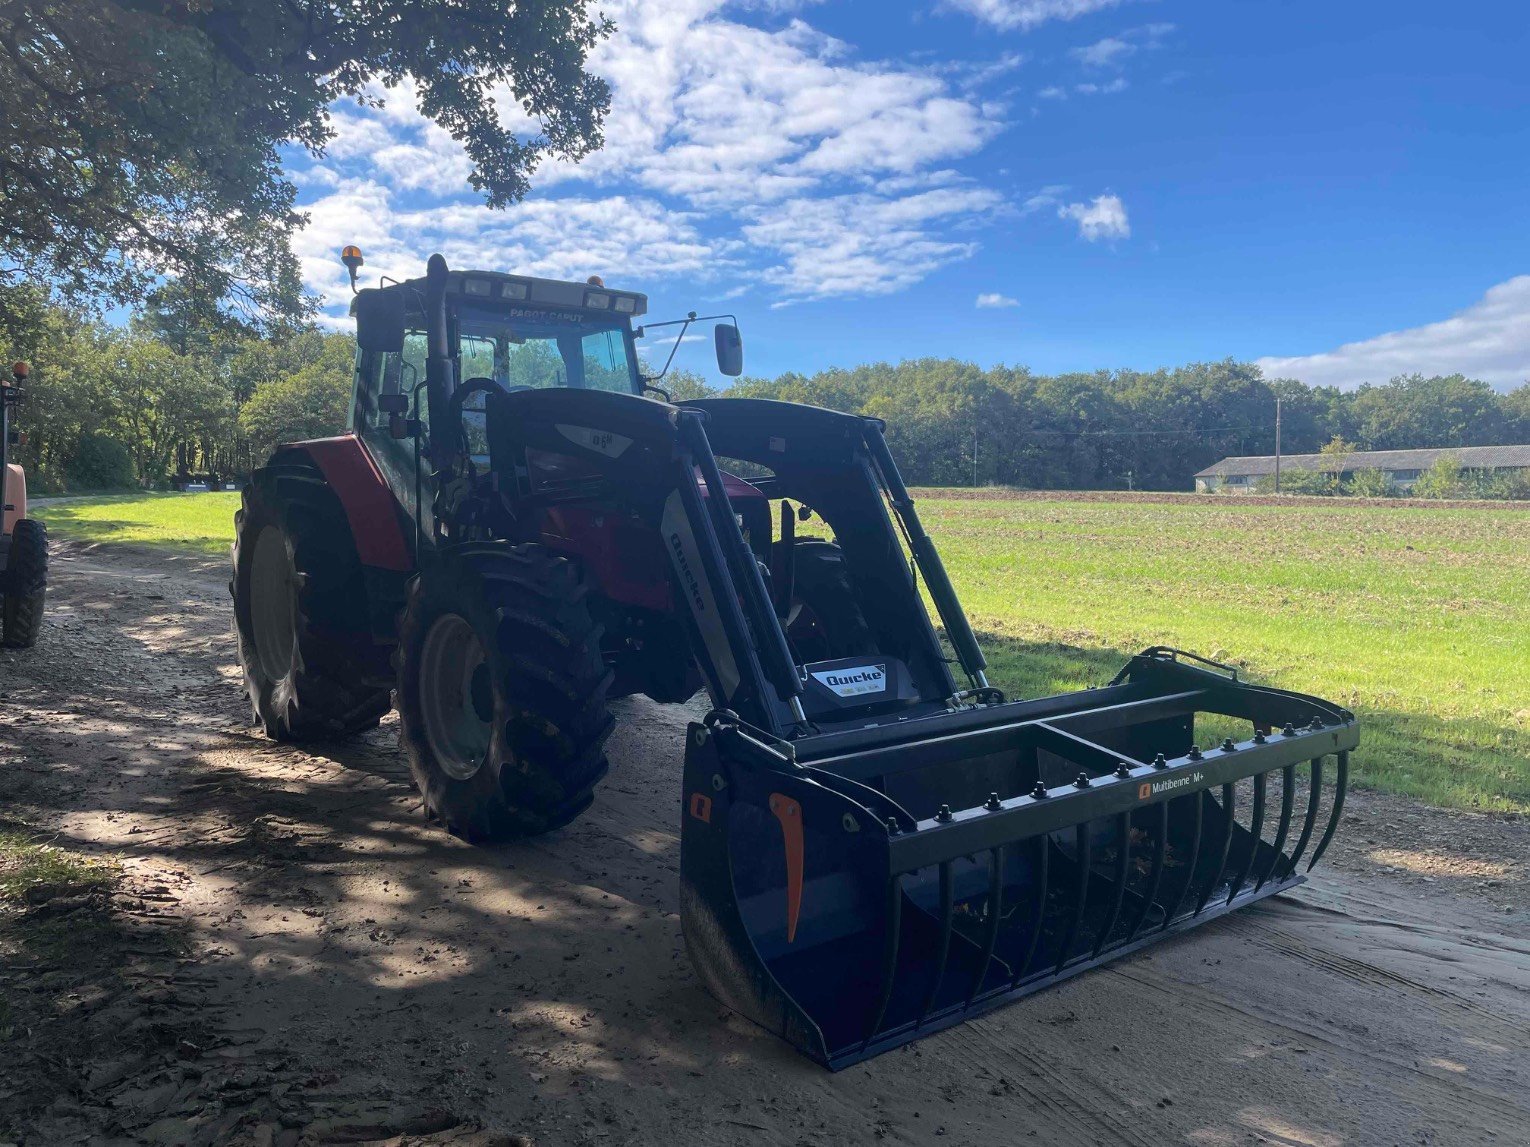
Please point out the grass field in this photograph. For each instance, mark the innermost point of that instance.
(1418, 619)
(200, 522)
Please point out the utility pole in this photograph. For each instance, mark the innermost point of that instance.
(1277, 444)
(974, 457)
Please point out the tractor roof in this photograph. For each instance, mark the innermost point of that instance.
(496, 286)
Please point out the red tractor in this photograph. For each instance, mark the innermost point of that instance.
(23, 540)
(520, 526)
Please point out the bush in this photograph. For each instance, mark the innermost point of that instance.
(1312, 482)
(100, 463)
(1442, 480)
(1370, 484)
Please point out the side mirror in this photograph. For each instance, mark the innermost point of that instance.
(730, 350)
(379, 320)
(393, 403)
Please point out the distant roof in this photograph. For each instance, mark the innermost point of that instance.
(1471, 457)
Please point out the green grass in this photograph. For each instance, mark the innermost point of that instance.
(32, 869)
(1417, 619)
(200, 522)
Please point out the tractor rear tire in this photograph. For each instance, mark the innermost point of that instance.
(24, 585)
(502, 691)
(826, 620)
(311, 667)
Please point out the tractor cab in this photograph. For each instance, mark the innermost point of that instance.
(513, 332)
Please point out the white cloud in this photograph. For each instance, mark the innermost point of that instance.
(1088, 89)
(1023, 15)
(1104, 53)
(1049, 196)
(743, 129)
(861, 244)
(1489, 340)
(567, 238)
(1112, 51)
(1103, 218)
(994, 299)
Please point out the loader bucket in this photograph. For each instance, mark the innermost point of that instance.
(858, 890)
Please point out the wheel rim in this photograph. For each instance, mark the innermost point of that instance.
(456, 697)
(271, 601)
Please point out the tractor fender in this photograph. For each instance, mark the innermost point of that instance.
(370, 507)
(15, 497)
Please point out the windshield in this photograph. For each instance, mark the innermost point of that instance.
(531, 347)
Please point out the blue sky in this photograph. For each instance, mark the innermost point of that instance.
(1337, 189)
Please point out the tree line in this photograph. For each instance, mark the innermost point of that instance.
(952, 423)
(170, 393)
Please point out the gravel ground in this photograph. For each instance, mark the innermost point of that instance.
(293, 954)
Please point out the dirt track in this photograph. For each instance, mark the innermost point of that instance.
(351, 972)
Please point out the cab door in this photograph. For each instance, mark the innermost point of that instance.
(399, 459)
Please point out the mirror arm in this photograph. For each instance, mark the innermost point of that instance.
(684, 325)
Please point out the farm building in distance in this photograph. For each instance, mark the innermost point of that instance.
(1403, 467)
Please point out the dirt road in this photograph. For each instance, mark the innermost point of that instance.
(342, 970)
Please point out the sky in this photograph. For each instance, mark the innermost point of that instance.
(1335, 190)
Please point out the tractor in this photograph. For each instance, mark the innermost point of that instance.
(521, 525)
(23, 540)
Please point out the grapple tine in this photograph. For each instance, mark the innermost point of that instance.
(1044, 847)
(1287, 800)
(1155, 875)
(1229, 823)
(995, 914)
(890, 955)
(1341, 782)
(1255, 829)
(1123, 860)
(1081, 893)
(943, 949)
(1195, 856)
(1313, 796)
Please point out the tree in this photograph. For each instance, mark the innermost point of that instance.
(1412, 411)
(309, 402)
(686, 385)
(1516, 415)
(1335, 457)
(101, 463)
(160, 401)
(143, 136)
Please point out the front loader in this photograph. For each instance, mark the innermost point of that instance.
(876, 843)
(23, 540)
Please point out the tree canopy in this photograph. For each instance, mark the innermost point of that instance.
(142, 136)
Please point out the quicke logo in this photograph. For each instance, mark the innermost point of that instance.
(692, 586)
(854, 681)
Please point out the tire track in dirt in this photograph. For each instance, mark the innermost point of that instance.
(542, 987)
(1454, 1098)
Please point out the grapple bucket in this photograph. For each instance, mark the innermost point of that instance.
(855, 891)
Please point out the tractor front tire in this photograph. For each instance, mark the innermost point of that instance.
(502, 691)
(311, 668)
(24, 584)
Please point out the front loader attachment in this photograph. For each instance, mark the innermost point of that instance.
(853, 891)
